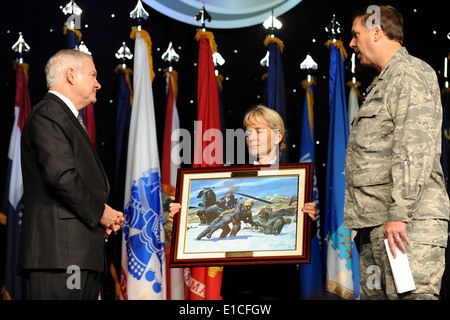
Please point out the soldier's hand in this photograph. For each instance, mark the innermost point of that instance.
(395, 233)
(174, 208)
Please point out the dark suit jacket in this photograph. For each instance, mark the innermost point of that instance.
(65, 189)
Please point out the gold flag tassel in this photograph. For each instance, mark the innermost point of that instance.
(339, 45)
(148, 41)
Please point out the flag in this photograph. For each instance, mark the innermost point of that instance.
(123, 116)
(342, 272)
(203, 283)
(87, 113)
(311, 275)
(171, 125)
(12, 206)
(111, 284)
(169, 167)
(275, 91)
(143, 258)
(353, 105)
(275, 79)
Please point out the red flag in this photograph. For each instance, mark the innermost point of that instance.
(169, 168)
(203, 283)
(89, 121)
(12, 206)
(208, 149)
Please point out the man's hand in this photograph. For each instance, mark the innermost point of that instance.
(111, 220)
(395, 233)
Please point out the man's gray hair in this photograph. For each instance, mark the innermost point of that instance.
(57, 65)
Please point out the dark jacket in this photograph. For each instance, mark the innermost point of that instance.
(65, 189)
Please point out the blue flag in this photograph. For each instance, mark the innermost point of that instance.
(342, 272)
(123, 117)
(275, 91)
(311, 275)
(275, 81)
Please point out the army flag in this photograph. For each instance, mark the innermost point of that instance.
(340, 254)
(143, 258)
(203, 283)
(311, 275)
(12, 207)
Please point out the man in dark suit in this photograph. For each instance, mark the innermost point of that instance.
(65, 217)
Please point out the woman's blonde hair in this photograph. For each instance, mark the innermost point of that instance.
(272, 117)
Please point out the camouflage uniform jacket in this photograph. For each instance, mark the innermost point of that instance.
(393, 170)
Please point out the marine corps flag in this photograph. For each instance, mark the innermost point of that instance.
(341, 256)
(143, 260)
(12, 207)
(203, 283)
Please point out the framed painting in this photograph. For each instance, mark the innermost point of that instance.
(242, 215)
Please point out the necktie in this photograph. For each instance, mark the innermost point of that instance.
(80, 120)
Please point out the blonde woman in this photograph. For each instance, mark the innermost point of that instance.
(265, 139)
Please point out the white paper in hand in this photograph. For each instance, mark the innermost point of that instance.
(401, 270)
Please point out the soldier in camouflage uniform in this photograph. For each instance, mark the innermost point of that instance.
(394, 180)
(242, 212)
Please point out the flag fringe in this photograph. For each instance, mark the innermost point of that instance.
(144, 34)
(219, 81)
(25, 67)
(174, 81)
(339, 45)
(77, 32)
(355, 86)
(276, 40)
(128, 72)
(208, 35)
(310, 96)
